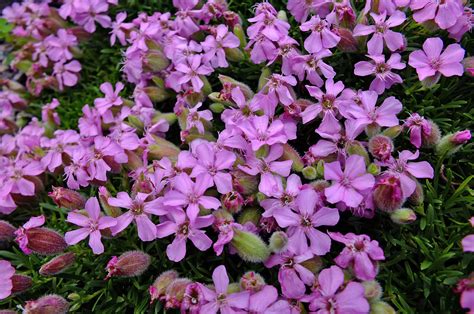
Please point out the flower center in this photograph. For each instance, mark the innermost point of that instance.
(381, 68)
(183, 229)
(328, 102)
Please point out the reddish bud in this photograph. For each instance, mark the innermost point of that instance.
(381, 147)
(45, 241)
(244, 183)
(252, 281)
(232, 201)
(158, 289)
(21, 283)
(49, 304)
(388, 194)
(129, 264)
(451, 143)
(347, 43)
(175, 293)
(67, 198)
(58, 264)
(104, 195)
(8, 312)
(7, 232)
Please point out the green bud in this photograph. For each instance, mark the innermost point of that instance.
(320, 169)
(260, 196)
(135, 122)
(278, 241)
(156, 61)
(403, 216)
(156, 93)
(289, 153)
(313, 264)
(249, 246)
(158, 81)
(248, 93)
(356, 148)
(262, 81)
(310, 173)
(162, 148)
(207, 88)
(170, 117)
(250, 214)
(373, 290)
(233, 287)
(245, 183)
(234, 54)
(239, 32)
(381, 307)
(393, 131)
(217, 107)
(373, 169)
(262, 151)
(282, 16)
(451, 143)
(74, 296)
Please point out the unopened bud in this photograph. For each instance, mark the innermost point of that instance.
(403, 216)
(451, 143)
(373, 290)
(49, 304)
(67, 198)
(156, 93)
(347, 43)
(388, 194)
(135, 122)
(244, 88)
(21, 283)
(393, 131)
(45, 241)
(356, 148)
(313, 264)
(372, 129)
(158, 289)
(320, 169)
(156, 61)
(217, 107)
(58, 264)
(373, 169)
(433, 137)
(251, 214)
(239, 32)
(289, 153)
(281, 15)
(129, 264)
(320, 185)
(381, 147)
(175, 293)
(418, 196)
(381, 307)
(249, 246)
(244, 183)
(310, 173)
(469, 66)
(233, 287)
(278, 241)
(264, 76)
(252, 281)
(8, 312)
(162, 148)
(104, 196)
(234, 54)
(231, 19)
(232, 201)
(7, 232)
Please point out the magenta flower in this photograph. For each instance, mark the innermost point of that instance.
(120, 29)
(266, 301)
(384, 77)
(139, 210)
(444, 13)
(59, 46)
(64, 142)
(282, 197)
(214, 45)
(191, 194)
(76, 173)
(17, 179)
(407, 170)
(48, 113)
(91, 226)
(106, 155)
(91, 11)
(263, 49)
(213, 163)
(293, 276)
(184, 229)
(418, 127)
(382, 33)
(348, 185)
(219, 300)
(321, 35)
(300, 9)
(195, 118)
(312, 67)
(329, 297)
(302, 224)
(190, 71)
(361, 253)
(6, 273)
(21, 233)
(277, 89)
(111, 98)
(266, 23)
(67, 74)
(259, 132)
(368, 115)
(431, 63)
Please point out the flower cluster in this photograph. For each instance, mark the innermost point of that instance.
(235, 183)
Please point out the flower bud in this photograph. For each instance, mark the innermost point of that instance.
(403, 216)
(393, 131)
(162, 148)
(129, 264)
(289, 153)
(373, 169)
(373, 290)
(372, 129)
(244, 183)
(356, 148)
(433, 137)
(469, 66)
(157, 93)
(158, 289)
(135, 122)
(156, 61)
(347, 43)
(320, 169)
(233, 287)
(193, 298)
(21, 283)
(249, 246)
(7, 232)
(217, 107)
(49, 304)
(381, 307)
(231, 19)
(264, 76)
(244, 88)
(104, 195)
(418, 196)
(58, 264)
(8, 312)
(232, 201)
(309, 173)
(278, 241)
(252, 281)
(67, 198)
(234, 54)
(388, 194)
(313, 264)
(45, 241)
(251, 214)
(381, 147)
(451, 143)
(175, 293)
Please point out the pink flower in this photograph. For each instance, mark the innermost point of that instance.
(91, 226)
(300, 9)
(214, 45)
(195, 118)
(329, 297)
(282, 198)
(48, 113)
(302, 223)
(91, 11)
(431, 63)
(62, 145)
(190, 70)
(418, 127)
(348, 185)
(266, 23)
(321, 35)
(312, 66)
(219, 299)
(75, 173)
(59, 46)
(21, 232)
(293, 276)
(6, 273)
(139, 211)
(67, 74)
(367, 114)
(191, 194)
(384, 77)
(266, 301)
(110, 100)
(184, 229)
(16, 179)
(105, 155)
(444, 13)
(213, 163)
(468, 243)
(259, 132)
(120, 29)
(381, 30)
(407, 170)
(360, 253)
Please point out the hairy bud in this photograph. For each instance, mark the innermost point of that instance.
(381, 147)
(7, 232)
(403, 216)
(129, 264)
(45, 241)
(373, 290)
(451, 143)
(388, 194)
(175, 293)
(158, 289)
(21, 283)
(249, 246)
(252, 281)
(58, 264)
(278, 241)
(251, 214)
(67, 198)
(49, 304)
